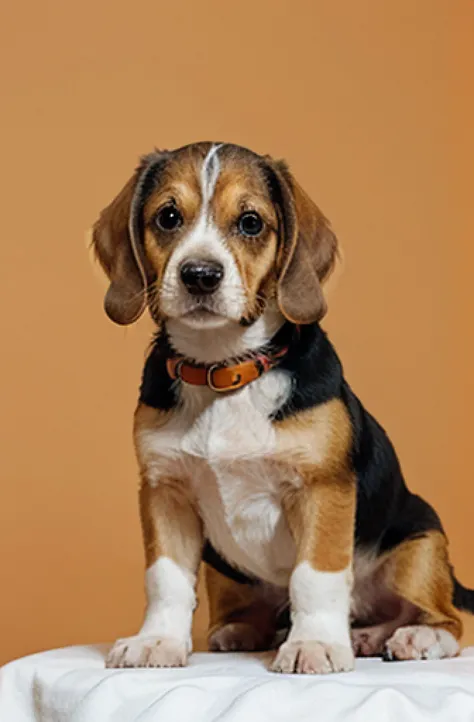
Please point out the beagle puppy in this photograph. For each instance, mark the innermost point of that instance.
(254, 453)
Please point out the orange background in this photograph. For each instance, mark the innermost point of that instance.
(369, 103)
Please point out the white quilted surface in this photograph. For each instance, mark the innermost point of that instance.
(72, 685)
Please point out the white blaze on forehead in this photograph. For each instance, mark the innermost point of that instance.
(209, 174)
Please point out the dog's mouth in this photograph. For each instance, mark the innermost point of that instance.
(199, 310)
(202, 313)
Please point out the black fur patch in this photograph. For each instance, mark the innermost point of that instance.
(214, 559)
(315, 371)
(157, 388)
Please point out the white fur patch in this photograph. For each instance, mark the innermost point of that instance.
(170, 602)
(206, 346)
(165, 637)
(236, 426)
(209, 174)
(320, 604)
(421, 642)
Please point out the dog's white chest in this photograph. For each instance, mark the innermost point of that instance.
(241, 508)
(228, 451)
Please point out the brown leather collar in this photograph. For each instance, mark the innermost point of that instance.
(223, 377)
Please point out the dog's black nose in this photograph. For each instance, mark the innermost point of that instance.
(201, 277)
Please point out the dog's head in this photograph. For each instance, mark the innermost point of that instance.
(209, 234)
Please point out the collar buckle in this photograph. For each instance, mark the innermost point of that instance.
(177, 368)
(209, 379)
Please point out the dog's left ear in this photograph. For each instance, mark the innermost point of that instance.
(309, 249)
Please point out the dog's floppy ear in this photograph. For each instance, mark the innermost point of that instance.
(308, 253)
(118, 247)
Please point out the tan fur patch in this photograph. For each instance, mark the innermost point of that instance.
(255, 272)
(170, 523)
(238, 189)
(180, 184)
(321, 514)
(319, 437)
(321, 517)
(146, 418)
(171, 526)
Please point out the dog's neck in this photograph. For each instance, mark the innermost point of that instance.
(215, 345)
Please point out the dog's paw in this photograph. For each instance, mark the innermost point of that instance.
(236, 637)
(147, 652)
(313, 658)
(369, 641)
(420, 642)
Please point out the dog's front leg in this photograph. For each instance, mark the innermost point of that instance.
(321, 518)
(172, 536)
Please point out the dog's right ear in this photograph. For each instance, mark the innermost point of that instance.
(118, 246)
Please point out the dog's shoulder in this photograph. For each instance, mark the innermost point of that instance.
(321, 399)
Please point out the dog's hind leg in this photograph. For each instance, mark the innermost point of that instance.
(420, 573)
(243, 617)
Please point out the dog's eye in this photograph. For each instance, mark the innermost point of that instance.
(168, 218)
(250, 224)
